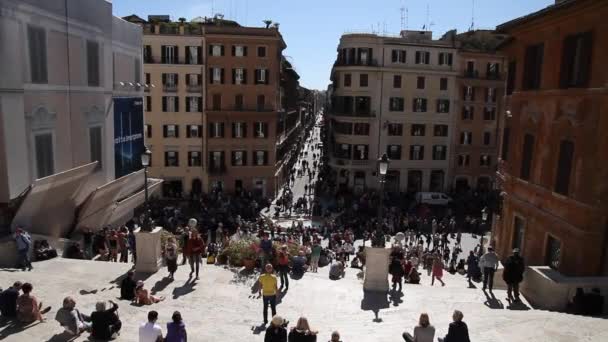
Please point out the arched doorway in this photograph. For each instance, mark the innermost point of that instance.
(197, 187)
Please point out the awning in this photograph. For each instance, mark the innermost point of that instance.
(49, 206)
(98, 207)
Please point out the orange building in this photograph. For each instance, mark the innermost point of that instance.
(553, 167)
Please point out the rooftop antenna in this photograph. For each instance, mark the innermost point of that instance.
(407, 16)
(212, 8)
(402, 9)
(472, 16)
(426, 23)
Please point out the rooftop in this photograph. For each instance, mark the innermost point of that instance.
(557, 6)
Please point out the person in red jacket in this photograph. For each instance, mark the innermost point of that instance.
(194, 250)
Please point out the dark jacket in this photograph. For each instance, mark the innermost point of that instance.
(275, 334)
(102, 322)
(8, 302)
(514, 269)
(127, 289)
(458, 332)
(297, 336)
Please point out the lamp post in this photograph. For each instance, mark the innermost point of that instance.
(382, 169)
(484, 220)
(145, 162)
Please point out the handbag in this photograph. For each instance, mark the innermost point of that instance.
(211, 259)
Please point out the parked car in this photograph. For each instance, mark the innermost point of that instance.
(433, 198)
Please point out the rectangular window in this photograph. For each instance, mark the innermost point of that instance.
(194, 158)
(148, 103)
(260, 158)
(238, 76)
(487, 138)
(170, 131)
(238, 102)
(261, 103)
(468, 113)
(396, 104)
(361, 128)
(95, 145)
(419, 105)
(423, 57)
(489, 114)
(493, 71)
(261, 76)
(418, 130)
(505, 143)
(527, 157)
(469, 93)
(169, 54)
(170, 104)
(170, 82)
(443, 83)
(347, 80)
(148, 131)
(518, 233)
(363, 80)
(395, 129)
(239, 51)
(485, 160)
(216, 129)
(463, 160)
(553, 252)
(443, 106)
(397, 81)
(239, 158)
(466, 138)
(439, 152)
(217, 75)
(194, 131)
(239, 130)
(261, 130)
(148, 55)
(193, 55)
(511, 77)
(194, 104)
(216, 161)
(576, 60)
(533, 66)
(440, 130)
(93, 63)
(216, 102)
(420, 82)
(171, 158)
(445, 58)
(398, 56)
(491, 95)
(216, 50)
(564, 167)
(416, 152)
(361, 152)
(261, 51)
(393, 152)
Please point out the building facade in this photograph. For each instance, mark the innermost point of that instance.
(393, 95)
(553, 170)
(63, 63)
(213, 106)
(480, 86)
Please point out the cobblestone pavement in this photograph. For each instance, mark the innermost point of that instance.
(220, 306)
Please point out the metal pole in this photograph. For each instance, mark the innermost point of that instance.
(381, 204)
(145, 224)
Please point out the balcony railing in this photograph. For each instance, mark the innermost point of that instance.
(494, 76)
(153, 60)
(371, 62)
(194, 88)
(170, 88)
(471, 74)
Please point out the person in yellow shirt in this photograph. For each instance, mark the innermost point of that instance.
(268, 291)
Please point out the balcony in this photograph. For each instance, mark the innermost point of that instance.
(196, 88)
(471, 74)
(493, 76)
(217, 169)
(170, 88)
(371, 62)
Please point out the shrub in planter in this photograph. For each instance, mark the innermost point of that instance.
(238, 251)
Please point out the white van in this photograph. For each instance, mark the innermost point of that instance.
(433, 198)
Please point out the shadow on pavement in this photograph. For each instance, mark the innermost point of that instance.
(518, 306)
(14, 327)
(395, 297)
(257, 330)
(492, 302)
(184, 289)
(161, 285)
(63, 337)
(374, 301)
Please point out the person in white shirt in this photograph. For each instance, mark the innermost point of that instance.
(150, 331)
(488, 264)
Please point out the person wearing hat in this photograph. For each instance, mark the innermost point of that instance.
(488, 264)
(276, 332)
(513, 274)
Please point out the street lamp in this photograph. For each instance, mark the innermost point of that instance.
(382, 170)
(484, 220)
(145, 162)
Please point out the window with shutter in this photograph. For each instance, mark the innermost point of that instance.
(527, 157)
(347, 80)
(93, 63)
(420, 82)
(576, 60)
(418, 56)
(397, 81)
(533, 66)
(564, 167)
(394, 56)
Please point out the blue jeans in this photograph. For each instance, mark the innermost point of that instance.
(23, 259)
(272, 301)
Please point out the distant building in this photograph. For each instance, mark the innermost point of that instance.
(215, 115)
(393, 95)
(63, 65)
(553, 167)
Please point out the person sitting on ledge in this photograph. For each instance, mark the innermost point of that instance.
(423, 332)
(127, 287)
(71, 319)
(28, 308)
(105, 324)
(8, 301)
(458, 331)
(143, 297)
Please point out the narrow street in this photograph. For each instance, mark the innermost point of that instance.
(297, 187)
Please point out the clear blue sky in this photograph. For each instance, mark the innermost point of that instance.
(312, 28)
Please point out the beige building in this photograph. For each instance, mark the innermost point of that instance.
(393, 95)
(480, 88)
(62, 63)
(212, 104)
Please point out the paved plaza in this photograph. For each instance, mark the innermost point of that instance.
(221, 306)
